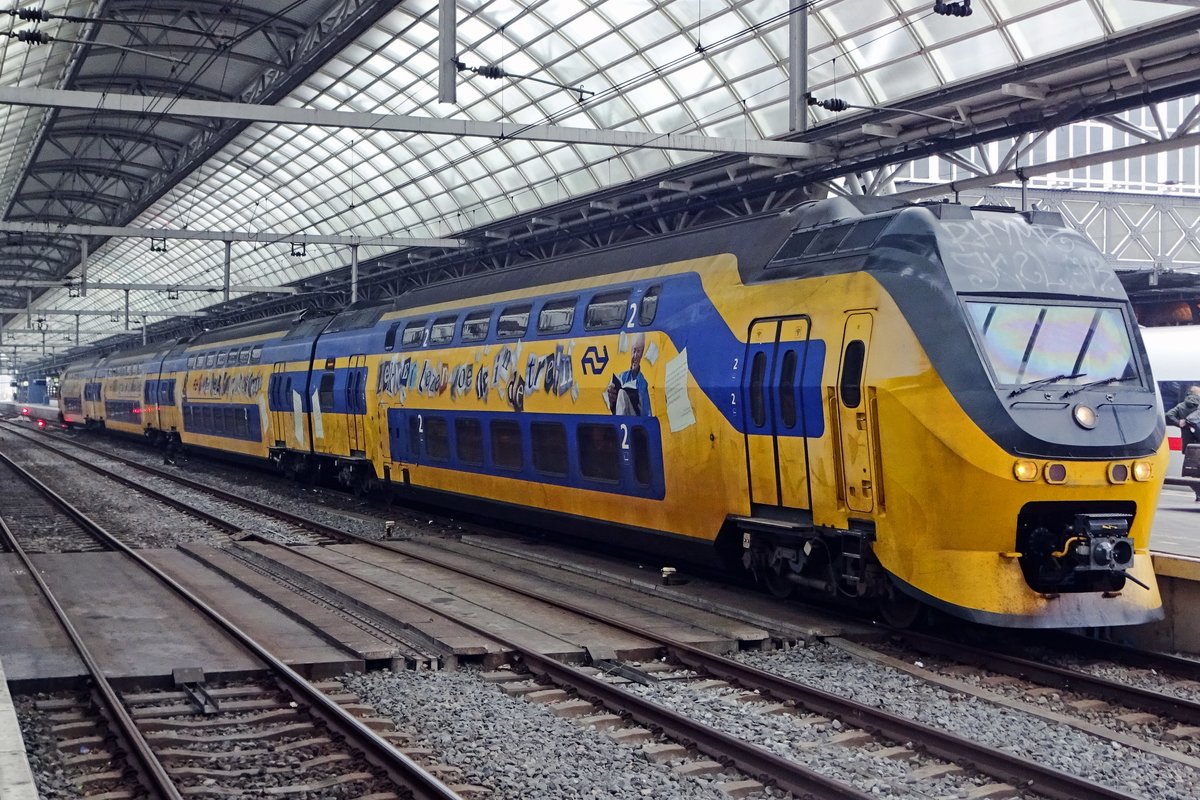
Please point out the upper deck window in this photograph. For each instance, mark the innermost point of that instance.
(514, 321)
(1070, 344)
(442, 330)
(414, 334)
(476, 325)
(606, 311)
(649, 305)
(557, 316)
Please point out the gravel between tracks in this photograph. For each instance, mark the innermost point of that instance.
(834, 671)
(519, 749)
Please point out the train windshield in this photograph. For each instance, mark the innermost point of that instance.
(1067, 344)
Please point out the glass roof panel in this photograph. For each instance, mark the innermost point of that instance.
(639, 56)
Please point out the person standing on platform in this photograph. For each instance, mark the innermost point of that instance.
(1187, 416)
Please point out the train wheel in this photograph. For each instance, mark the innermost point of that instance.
(778, 584)
(899, 609)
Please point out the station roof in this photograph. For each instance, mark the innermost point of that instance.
(297, 194)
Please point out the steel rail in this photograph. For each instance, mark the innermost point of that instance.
(146, 762)
(400, 769)
(1059, 677)
(1021, 772)
(750, 758)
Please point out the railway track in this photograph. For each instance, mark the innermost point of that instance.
(336, 754)
(1011, 769)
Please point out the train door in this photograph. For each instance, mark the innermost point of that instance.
(278, 400)
(773, 405)
(856, 439)
(356, 406)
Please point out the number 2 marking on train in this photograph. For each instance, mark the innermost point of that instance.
(632, 314)
(735, 363)
(420, 424)
(624, 436)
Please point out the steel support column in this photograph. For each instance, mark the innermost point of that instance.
(228, 267)
(447, 51)
(798, 64)
(83, 265)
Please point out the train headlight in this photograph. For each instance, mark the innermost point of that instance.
(1055, 473)
(1118, 473)
(1025, 471)
(1143, 470)
(1085, 416)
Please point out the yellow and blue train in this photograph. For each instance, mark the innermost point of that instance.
(921, 405)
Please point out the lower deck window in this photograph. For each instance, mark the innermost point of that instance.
(549, 440)
(599, 453)
(468, 440)
(507, 451)
(437, 438)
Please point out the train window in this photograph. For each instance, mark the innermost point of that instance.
(641, 455)
(549, 440)
(222, 357)
(852, 371)
(476, 325)
(244, 356)
(242, 418)
(325, 392)
(414, 334)
(437, 438)
(795, 246)
(191, 363)
(649, 305)
(414, 436)
(468, 440)
(758, 373)
(599, 455)
(514, 321)
(557, 316)
(506, 444)
(231, 421)
(606, 311)
(865, 233)
(210, 360)
(828, 240)
(787, 389)
(442, 330)
(256, 354)
(389, 340)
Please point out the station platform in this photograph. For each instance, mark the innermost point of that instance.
(33, 411)
(16, 777)
(1175, 547)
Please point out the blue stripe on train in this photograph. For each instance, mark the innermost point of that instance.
(717, 358)
(228, 420)
(635, 467)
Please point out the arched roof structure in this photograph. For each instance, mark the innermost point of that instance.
(893, 81)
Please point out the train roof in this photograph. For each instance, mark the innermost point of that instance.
(279, 324)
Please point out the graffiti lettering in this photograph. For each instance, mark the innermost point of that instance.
(224, 384)
(461, 380)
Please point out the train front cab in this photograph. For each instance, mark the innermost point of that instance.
(977, 487)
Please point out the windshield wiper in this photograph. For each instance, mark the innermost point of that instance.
(1094, 384)
(1043, 381)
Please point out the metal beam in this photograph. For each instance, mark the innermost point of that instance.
(798, 64)
(95, 312)
(1063, 165)
(152, 287)
(148, 106)
(261, 237)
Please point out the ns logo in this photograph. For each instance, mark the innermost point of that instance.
(592, 362)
